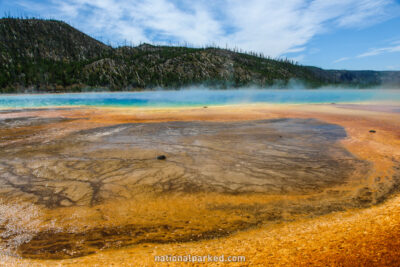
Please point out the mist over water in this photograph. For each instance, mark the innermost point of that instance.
(200, 96)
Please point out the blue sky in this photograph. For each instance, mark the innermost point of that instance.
(333, 34)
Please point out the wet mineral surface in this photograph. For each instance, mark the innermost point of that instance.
(103, 187)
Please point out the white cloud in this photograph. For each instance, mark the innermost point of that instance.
(364, 12)
(341, 59)
(274, 27)
(393, 67)
(378, 51)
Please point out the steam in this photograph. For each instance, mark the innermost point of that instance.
(292, 91)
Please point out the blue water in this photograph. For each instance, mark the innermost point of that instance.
(199, 98)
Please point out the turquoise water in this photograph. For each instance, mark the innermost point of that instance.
(199, 97)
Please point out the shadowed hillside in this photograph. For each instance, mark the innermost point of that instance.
(51, 56)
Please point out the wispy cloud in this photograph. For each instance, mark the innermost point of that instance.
(341, 59)
(274, 27)
(379, 51)
(392, 67)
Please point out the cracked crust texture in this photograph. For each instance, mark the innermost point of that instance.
(232, 175)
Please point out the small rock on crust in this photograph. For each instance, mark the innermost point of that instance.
(161, 157)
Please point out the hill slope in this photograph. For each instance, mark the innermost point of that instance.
(48, 55)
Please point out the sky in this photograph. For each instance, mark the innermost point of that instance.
(332, 34)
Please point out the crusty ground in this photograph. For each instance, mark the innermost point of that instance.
(367, 237)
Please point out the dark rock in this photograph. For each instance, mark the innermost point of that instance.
(372, 131)
(161, 157)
